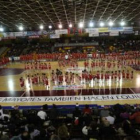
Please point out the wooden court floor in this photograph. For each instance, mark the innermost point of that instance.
(10, 87)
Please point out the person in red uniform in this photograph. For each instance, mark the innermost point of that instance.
(29, 79)
(112, 75)
(132, 75)
(115, 75)
(79, 78)
(102, 75)
(35, 79)
(31, 66)
(72, 78)
(106, 76)
(98, 76)
(90, 77)
(28, 66)
(92, 65)
(21, 82)
(45, 66)
(123, 74)
(76, 64)
(49, 66)
(119, 75)
(38, 78)
(46, 83)
(127, 75)
(53, 76)
(42, 66)
(59, 63)
(60, 77)
(85, 64)
(83, 75)
(66, 77)
(25, 66)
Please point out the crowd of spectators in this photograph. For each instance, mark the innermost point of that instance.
(29, 47)
(108, 123)
(15, 50)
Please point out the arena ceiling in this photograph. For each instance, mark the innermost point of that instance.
(32, 13)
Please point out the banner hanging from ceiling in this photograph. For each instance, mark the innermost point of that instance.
(32, 33)
(53, 36)
(94, 34)
(61, 31)
(114, 33)
(103, 30)
(20, 34)
(46, 32)
(91, 30)
(126, 32)
(116, 29)
(104, 34)
(127, 29)
(9, 35)
(32, 37)
(40, 33)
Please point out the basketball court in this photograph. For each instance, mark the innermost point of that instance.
(124, 91)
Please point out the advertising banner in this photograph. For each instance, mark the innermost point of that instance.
(53, 36)
(116, 29)
(46, 32)
(128, 29)
(32, 33)
(61, 31)
(95, 34)
(127, 32)
(104, 34)
(36, 36)
(76, 44)
(114, 33)
(17, 34)
(91, 30)
(67, 87)
(89, 98)
(75, 70)
(9, 35)
(103, 30)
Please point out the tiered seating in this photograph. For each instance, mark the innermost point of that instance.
(105, 46)
(109, 123)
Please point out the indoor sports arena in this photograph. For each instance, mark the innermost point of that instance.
(69, 70)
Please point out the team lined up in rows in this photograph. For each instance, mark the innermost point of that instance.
(113, 75)
(34, 80)
(59, 77)
(37, 66)
(82, 56)
(47, 65)
(71, 63)
(111, 64)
